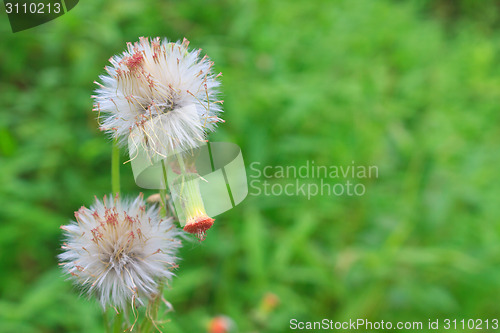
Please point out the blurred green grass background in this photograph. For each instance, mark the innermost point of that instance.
(409, 86)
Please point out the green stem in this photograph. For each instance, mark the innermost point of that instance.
(193, 202)
(188, 191)
(117, 324)
(163, 192)
(182, 170)
(180, 160)
(164, 168)
(163, 199)
(153, 307)
(106, 321)
(115, 169)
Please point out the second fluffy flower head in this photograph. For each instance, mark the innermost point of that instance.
(119, 250)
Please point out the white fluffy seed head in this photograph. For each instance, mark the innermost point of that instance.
(119, 251)
(159, 95)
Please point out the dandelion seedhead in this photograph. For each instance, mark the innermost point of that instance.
(120, 250)
(158, 96)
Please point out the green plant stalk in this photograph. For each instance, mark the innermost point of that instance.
(115, 169)
(115, 189)
(117, 324)
(193, 203)
(163, 192)
(154, 304)
(163, 199)
(153, 307)
(106, 321)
